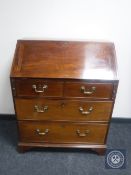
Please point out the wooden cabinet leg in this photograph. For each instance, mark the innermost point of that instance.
(99, 151)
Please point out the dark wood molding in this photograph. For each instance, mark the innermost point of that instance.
(113, 120)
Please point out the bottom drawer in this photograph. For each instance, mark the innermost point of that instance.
(62, 132)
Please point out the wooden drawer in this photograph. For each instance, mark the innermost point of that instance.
(43, 109)
(38, 88)
(88, 90)
(62, 132)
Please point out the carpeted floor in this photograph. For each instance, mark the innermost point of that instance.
(60, 161)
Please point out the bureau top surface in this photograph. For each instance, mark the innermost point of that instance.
(64, 59)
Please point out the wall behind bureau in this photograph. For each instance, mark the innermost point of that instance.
(69, 20)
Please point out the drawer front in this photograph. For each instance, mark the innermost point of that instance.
(62, 132)
(38, 88)
(43, 109)
(88, 90)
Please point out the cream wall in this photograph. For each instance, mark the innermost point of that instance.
(70, 20)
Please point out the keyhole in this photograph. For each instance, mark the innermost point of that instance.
(62, 105)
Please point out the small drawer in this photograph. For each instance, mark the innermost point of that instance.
(88, 90)
(75, 110)
(38, 88)
(62, 132)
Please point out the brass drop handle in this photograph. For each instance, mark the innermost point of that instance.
(39, 91)
(82, 134)
(42, 133)
(85, 112)
(88, 92)
(40, 109)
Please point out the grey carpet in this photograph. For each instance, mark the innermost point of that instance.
(60, 161)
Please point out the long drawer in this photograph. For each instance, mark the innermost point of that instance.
(43, 109)
(62, 132)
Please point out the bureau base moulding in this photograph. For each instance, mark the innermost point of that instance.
(99, 149)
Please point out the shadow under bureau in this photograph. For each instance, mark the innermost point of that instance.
(64, 93)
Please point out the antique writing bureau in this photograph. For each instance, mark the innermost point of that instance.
(63, 92)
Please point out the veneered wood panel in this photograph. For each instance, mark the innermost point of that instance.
(63, 110)
(24, 88)
(64, 59)
(62, 132)
(102, 90)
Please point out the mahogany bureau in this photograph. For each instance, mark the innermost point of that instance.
(64, 93)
